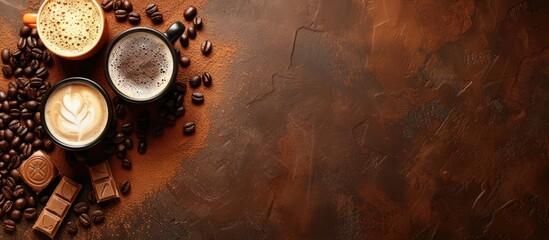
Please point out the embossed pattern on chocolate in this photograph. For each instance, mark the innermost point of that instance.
(38, 171)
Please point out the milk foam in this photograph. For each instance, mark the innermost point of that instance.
(140, 65)
(70, 27)
(76, 114)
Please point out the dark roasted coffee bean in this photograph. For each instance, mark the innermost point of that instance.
(191, 32)
(197, 23)
(125, 187)
(46, 58)
(128, 143)
(35, 64)
(189, 128)
(14, 173)
(48, 145)
(22, 43)
(157, 17)
(121, 15)
(97, 216)
(134, 18)
(21, 130)
(32, 43)
(16, 215)
(34, 32)
(185, 61)
(197, 98)
(142, 147)
(18, 191)
(180, 111)
(126, 163)
(25, 31)
(14, 102)
(9, 225)
(27, 150)
(16, 142)
(118, 138)
(10, 182)
(7, 71)
(184, 40)
(37, 53)
(81, 207)
(31, 202)
(23, 62)
(15, 161)
(37, 143)
(107, 5)
(17, 54)
(6, 192)
(29, 123)
(20, 203)
(6, 56)
(117, 4)
(18, 72)
(29, 213)
(14, 125)
(120, 111)
(4, 145)
(84, 220)
(195, 81)
(127, 5)
(8, 205)
(158, 131)
(3, 96)
(44, 199)
(207, 79)
(151, 8)
(180, 87)
(42, 73)
(177, 52)
(90, 195)
(28, 72)
(27, 54)
(206, 47)
(36, 82)
(72, 227)
(121, 151)
(190, 13)
(127, 128)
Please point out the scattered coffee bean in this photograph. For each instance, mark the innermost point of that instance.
(207, 79)
(142, 147)
(32, 42)
(81, 207)
(197, 22)
(127, 5)
(8, 205)
(184, 40)
(6, 192)
(9, 225)
(19, 191)
(197, 98)
(185, 62)
(42, 73)
(48, 145)
(191, 32)
(6, 56)
(46, 57)
(195, 81)
(28, 72)
(107, 5)
(121, 15)
(98, 216)
(157, 17)
(151, 8)
(180, 111)
(127, 128)
(206, 47)
(121, 151)
(189, 128)
(22, 43)
(125, 187)
(134, 18)
(29, 213)
(37, 53)
(190, 13)
(16, 215)
(126, 163)
(7, 71)
(25, 31)
(35, 64)
(31, 201)
(72, 227)
(84, 220)
(117, 4)
(18, 72)
(20, 203)
(128, 143)
(34, 32)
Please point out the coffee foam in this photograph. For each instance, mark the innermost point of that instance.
(70, 27)
(76, 114)
(140, 65)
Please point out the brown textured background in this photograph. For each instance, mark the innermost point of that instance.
(351, 119)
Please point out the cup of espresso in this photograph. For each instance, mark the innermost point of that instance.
(141, 63)
(71, 29)
(77, 113)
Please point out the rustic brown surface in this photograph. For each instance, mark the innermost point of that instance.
(352, 119)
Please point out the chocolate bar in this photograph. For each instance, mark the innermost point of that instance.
(57, 207)
(38, 171)
(103, 182)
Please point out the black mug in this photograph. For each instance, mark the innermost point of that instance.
(141, 63)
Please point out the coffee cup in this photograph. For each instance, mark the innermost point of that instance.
(71, 29)
(76, 113)
(141, 63)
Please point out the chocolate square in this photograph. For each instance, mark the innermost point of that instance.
(103, 182)
(38, 171)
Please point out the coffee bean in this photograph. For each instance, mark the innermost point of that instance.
(121, 151)
(191, 32)
(36, 82)
(7, 71)
(10, 182)
(37, 53)
(158, 131)
(6, 56)
(180, 111)
(126, 163)
(44, 199)
(24, 31)
(37, 143)
(14, 124)
(46, 58)
(28, 72)
(9, 225)
(32, 43)
(134, 18)
(18, 72)
(24, 61)
(97, 216)
(120, 111)
(42, 73)
(195, 81)
(197, 23)
(121, 15)
(180, 87)
(127, 128)
(16, 215)
(31, 202)
(40, 44)
(117, 4)
(118, 138)
(207, 79)
(15, 161)
(34, 32)
(72, 228)
(107, 5)
(17, 54)
(29, 213)
(48, 145)
(18, 191)
(14, 173)
(20, 203)
(8, 205)
(128, 143)
(3, 96)
(90, 195)
(6, 192)
(189, 128)
(35, 64)
(151, 8)
(142, 147)
(125, 187)
(84, 220)
(190, 13)
(127, 5)
(197, 98)
(81, 207)
(29, 123)
(206, 47)
(21, 130)
(22, 43)
(185, 62)
(157, 17)
(184, 40)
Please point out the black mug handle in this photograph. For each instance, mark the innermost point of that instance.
(175, 31)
